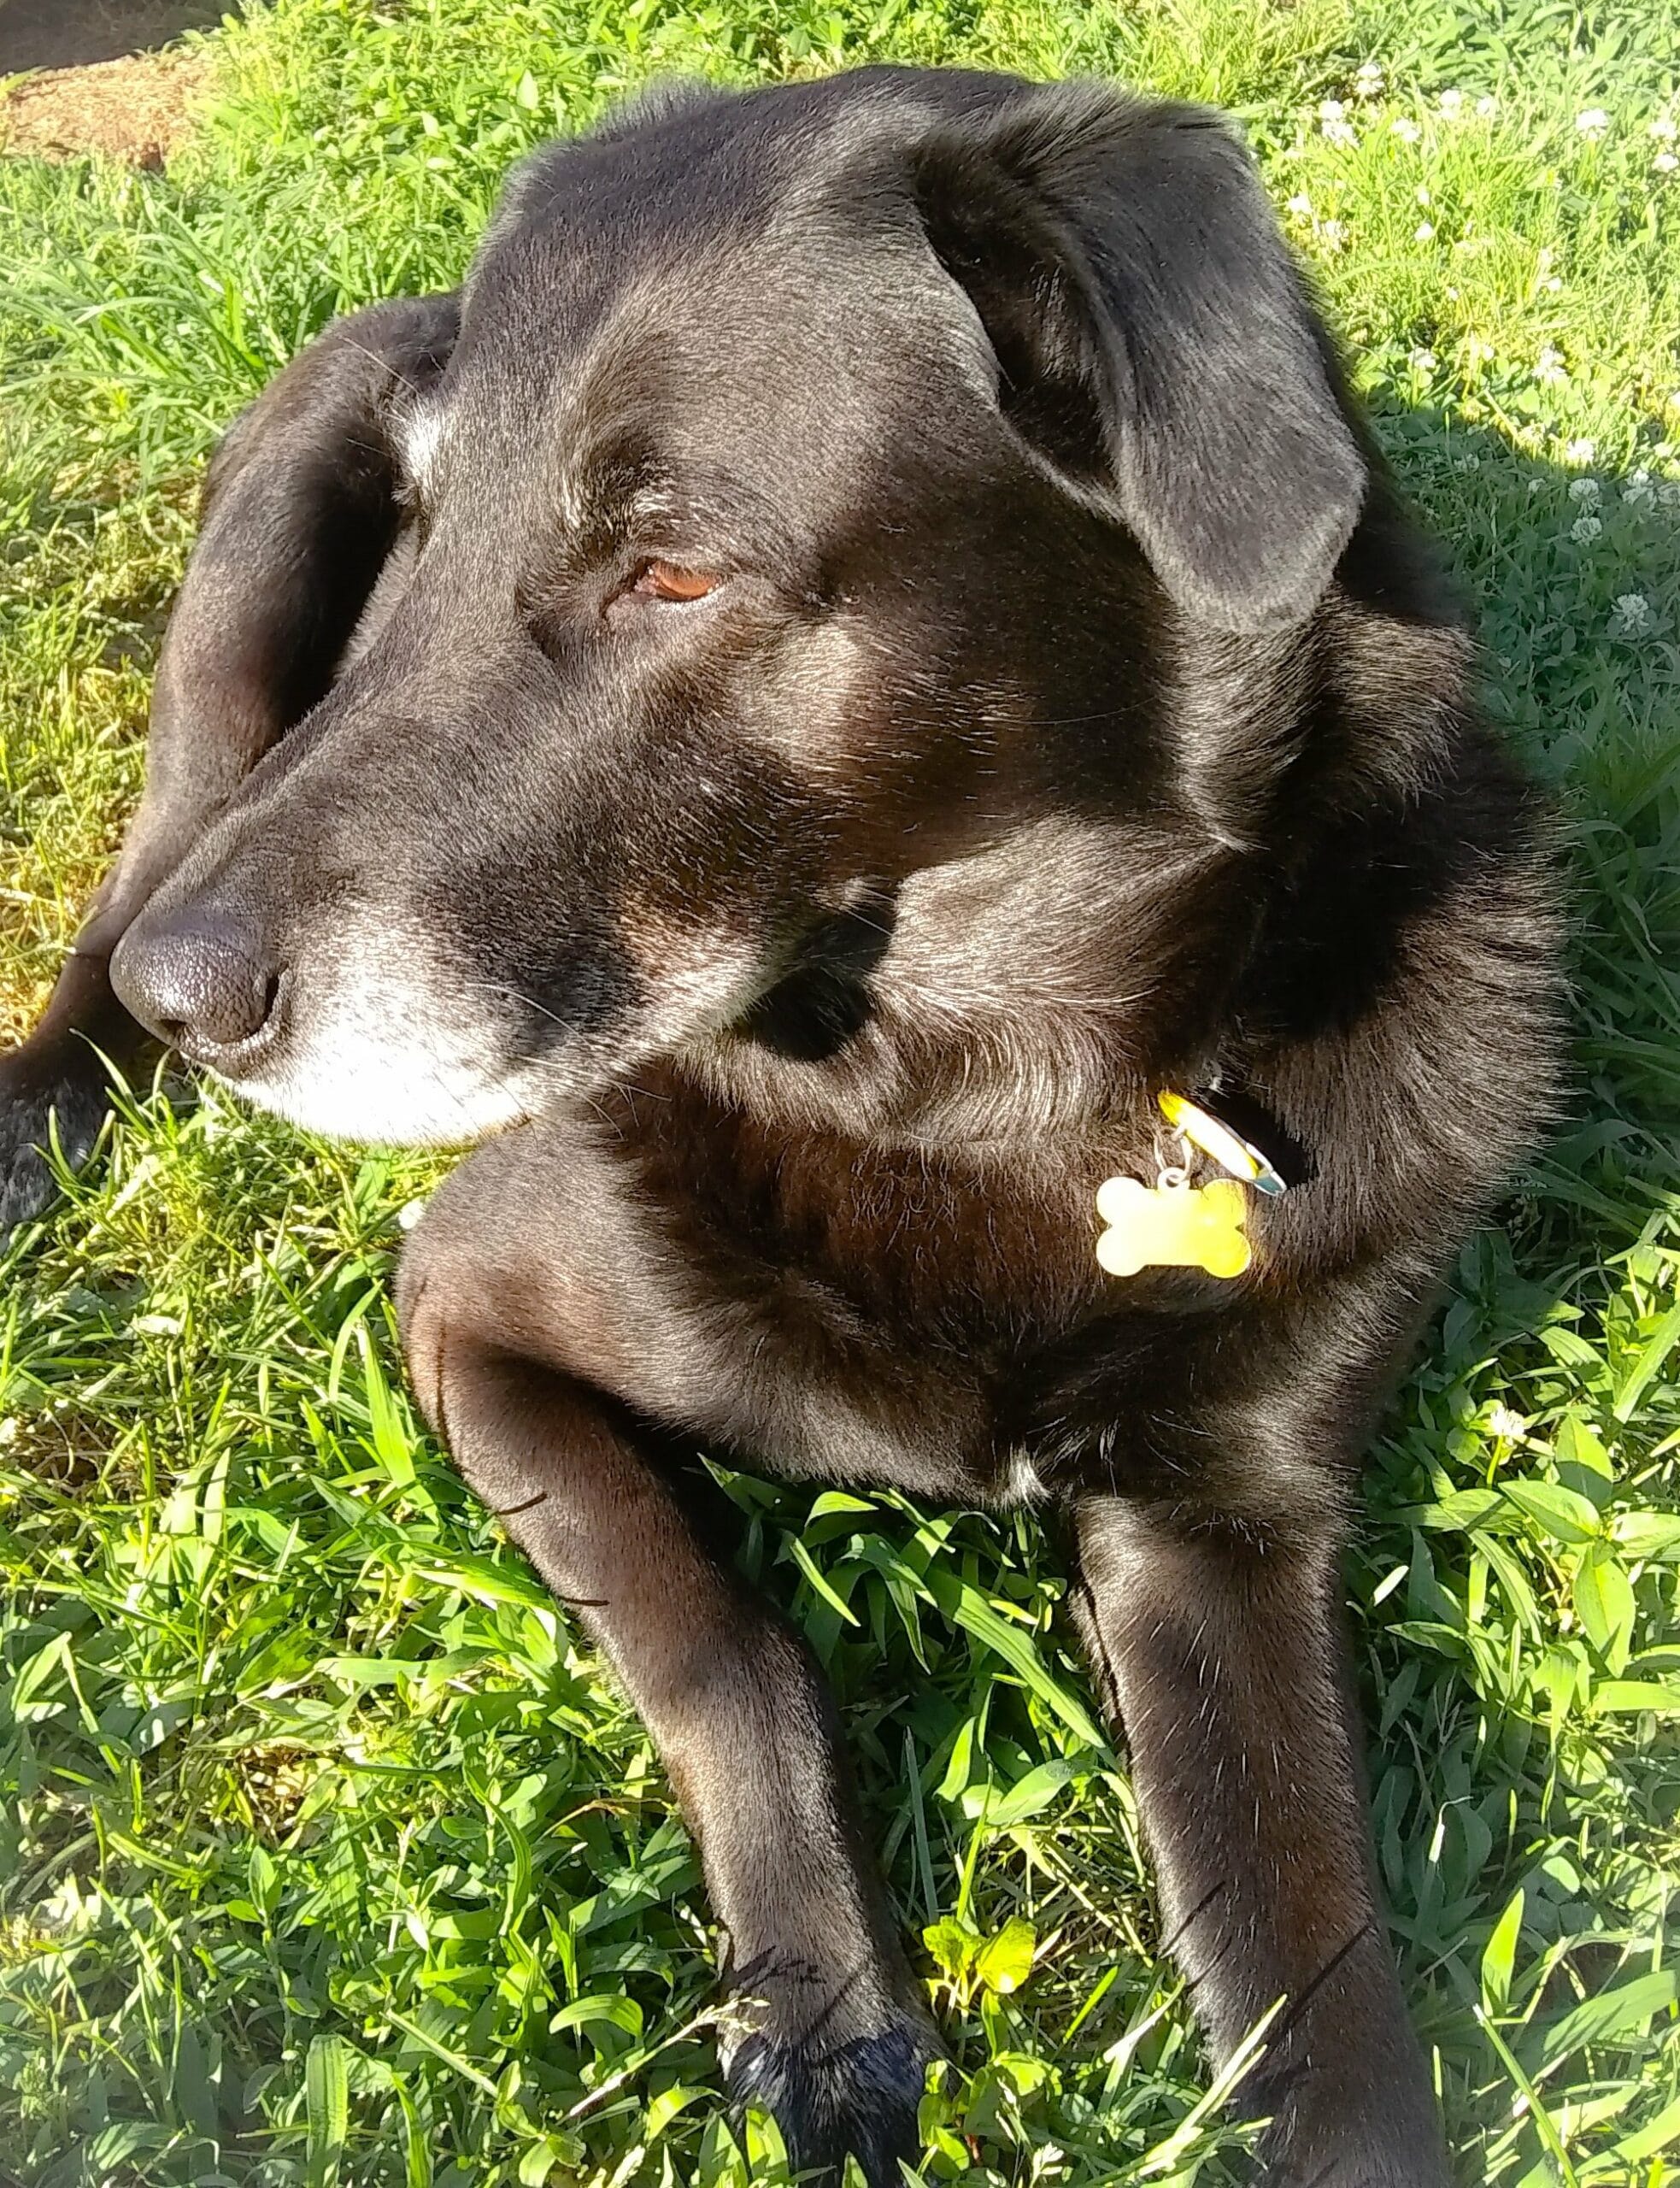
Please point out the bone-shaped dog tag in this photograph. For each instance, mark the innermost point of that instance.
(1173, 1227)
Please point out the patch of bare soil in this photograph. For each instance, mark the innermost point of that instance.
(133, 109)
(104, 89)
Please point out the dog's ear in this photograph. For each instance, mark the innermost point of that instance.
(1153, 338)
(302, 501)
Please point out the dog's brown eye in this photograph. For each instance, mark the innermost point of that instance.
(658, 580)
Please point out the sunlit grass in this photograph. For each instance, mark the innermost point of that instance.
(328, 1854)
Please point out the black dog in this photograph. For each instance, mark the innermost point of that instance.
(867, 644)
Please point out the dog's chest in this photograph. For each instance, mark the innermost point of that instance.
(992, 1249)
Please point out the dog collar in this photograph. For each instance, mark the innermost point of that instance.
(1237, 1157)
(1173, 1224)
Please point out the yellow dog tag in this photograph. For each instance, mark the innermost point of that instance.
(1173, 1226)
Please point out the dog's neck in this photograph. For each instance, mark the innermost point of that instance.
(1030, 991)
(1039, 988)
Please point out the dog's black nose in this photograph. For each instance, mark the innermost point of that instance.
(201, 983)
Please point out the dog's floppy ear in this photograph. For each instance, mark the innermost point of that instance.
(1153, 338)
(302, 501)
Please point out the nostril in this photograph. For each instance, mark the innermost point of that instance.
(201, 983)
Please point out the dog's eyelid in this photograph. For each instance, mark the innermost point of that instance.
(660, 580)
(667, 581)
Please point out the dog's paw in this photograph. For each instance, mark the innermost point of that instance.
(41, 1094)
(835, 2099)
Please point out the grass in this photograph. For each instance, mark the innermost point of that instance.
(329, 1854)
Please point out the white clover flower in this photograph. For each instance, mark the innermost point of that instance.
(1421, 194)
(1487, 106)
(1334, 124)
(1537, 486)
(1632, 612)
(1502, 1421)
(1639, 489)
(1472, 463)
(1423, 232)
(1333, 233)
(1451, 104)
(1593, 121)
(1665, 129)
(1583, 490)
(1422, 361)
(1553, 286)
(1580, 452)
(1406, 129)
(1368, 81)
(1302, 204)
(1666, 163)
(1549, 367)
(1585, 530)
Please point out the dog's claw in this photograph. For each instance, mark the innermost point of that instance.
(858, 2098)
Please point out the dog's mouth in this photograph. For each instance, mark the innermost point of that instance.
(383, 1041)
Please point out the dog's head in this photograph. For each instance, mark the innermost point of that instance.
(811, 562)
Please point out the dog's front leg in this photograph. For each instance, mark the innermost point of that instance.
(822, 2021)
(1222, 1648)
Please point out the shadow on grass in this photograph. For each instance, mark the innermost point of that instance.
(67, 33)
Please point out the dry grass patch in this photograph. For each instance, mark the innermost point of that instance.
(136, 109)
